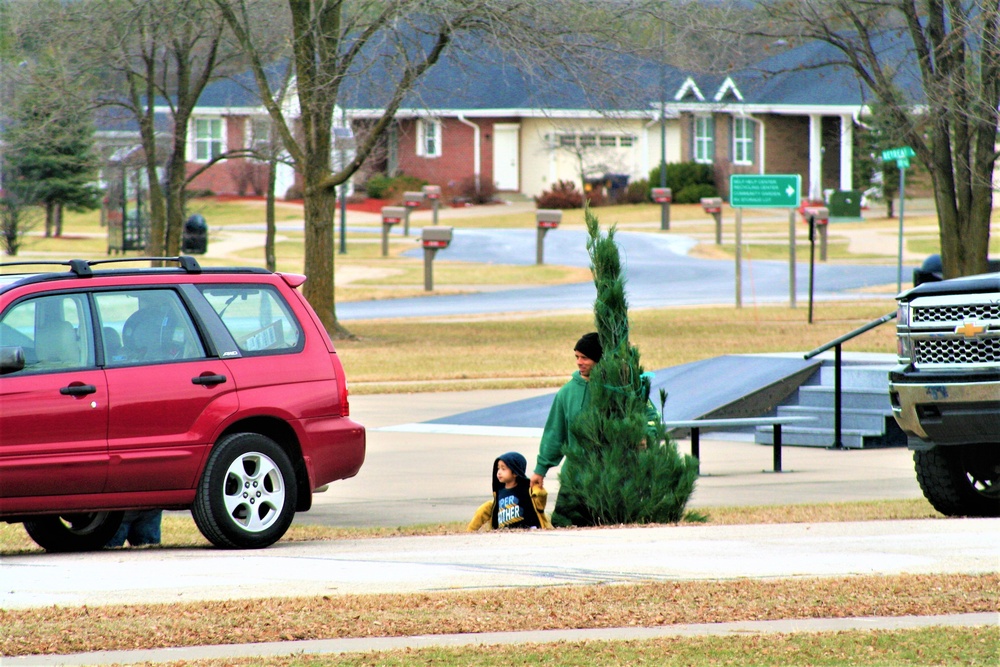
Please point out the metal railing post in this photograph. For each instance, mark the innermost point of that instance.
(838, 442)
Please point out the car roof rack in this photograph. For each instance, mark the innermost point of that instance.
(84, 267)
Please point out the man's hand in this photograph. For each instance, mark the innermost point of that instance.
(537, 480)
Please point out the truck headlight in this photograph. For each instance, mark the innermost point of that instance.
(903, 314)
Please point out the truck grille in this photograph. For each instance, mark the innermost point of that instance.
(957, 351)
(957, 313)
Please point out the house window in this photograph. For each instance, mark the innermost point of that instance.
(587, 140)
(627, 141)
(429, 138)
(567, 140)
(609, 140)
(207, 138)
(704, 141)
(742, 141)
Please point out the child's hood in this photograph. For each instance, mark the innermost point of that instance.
(517, 465)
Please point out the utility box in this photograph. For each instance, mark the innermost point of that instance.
(413, 199)
(393, 215)
(712, 204)
(548, 218)
(845, 204)
(436, 237)
(663, 195)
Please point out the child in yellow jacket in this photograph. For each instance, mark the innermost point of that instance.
(515, 503)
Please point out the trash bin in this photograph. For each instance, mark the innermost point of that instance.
(617, 184)
(194, 241)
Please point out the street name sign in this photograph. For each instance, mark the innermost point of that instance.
(901, 155)
(765, 190)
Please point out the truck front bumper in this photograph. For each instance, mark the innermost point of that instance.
(947, 413)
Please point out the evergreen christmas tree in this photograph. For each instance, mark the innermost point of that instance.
(623, 468)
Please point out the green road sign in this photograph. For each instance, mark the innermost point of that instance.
(901, 153)
(765, 191)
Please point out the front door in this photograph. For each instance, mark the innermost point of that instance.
(506, 169)
(53, 434)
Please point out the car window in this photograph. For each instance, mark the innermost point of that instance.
(53, 331)
(146, 326)
(257, 316)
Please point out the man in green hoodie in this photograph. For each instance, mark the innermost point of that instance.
(571, 399)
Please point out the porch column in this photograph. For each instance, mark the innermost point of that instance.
(846, 152)
(815, 157)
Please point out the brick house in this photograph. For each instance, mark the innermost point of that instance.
(483, 122)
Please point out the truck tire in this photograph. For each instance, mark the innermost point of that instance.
(960, 480)
(247, 494)
(82, 531)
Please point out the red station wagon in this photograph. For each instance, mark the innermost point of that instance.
(210, 389)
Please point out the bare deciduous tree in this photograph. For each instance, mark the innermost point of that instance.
(384, 48)
(950, 52)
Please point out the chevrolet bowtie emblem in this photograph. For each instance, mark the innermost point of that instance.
(970, 328)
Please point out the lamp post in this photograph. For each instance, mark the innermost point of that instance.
(343, 141)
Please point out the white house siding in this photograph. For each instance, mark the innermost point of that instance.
(544, 163)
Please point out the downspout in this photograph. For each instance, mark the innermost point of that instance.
(476, 149)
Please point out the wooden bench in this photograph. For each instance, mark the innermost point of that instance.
(696, 425)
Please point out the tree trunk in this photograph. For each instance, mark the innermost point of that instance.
(272, 176)
(50, 218)
(319, 204)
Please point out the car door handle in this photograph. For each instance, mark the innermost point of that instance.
(78, 390)
(208, 379)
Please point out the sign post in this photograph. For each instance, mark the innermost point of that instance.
(902, 157)
(765, 191)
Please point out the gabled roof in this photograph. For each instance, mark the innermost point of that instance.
(804, 76)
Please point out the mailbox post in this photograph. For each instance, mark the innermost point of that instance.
(433, 239)
(411, 200)
(713, 205)
(547, 219)
(433, 192)
(391, 215)
(663, 197)
(817, 216)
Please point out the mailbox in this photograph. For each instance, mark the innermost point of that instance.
(712, 204)
(548, 218)
(819, 214)
(662, 195)
(393, 215)
(432, 191)
(413, 199)
(436, 237)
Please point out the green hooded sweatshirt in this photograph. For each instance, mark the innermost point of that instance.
(570, 400)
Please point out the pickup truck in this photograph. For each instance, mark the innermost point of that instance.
(945, 392)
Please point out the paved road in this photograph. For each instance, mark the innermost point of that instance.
(658, 270)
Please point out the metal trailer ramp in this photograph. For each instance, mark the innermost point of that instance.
(722, 387)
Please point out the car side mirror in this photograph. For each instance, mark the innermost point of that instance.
(11, 359)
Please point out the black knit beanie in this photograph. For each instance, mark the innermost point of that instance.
(590, 346)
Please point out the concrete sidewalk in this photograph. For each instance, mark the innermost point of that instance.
(366, 644)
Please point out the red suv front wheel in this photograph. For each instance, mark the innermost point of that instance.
(246, 496)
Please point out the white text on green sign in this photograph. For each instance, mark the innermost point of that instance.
(902, 152)
(765, 190)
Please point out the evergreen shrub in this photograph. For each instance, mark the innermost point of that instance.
(622, 469)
